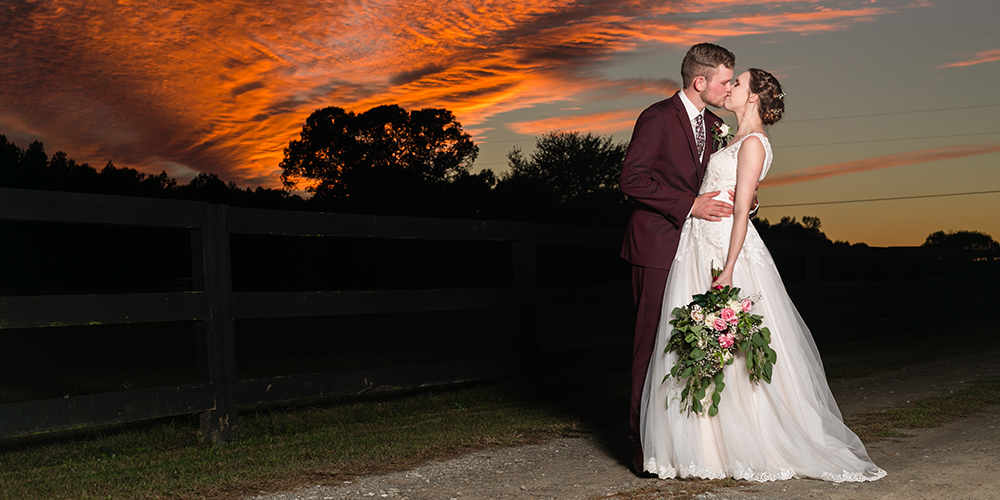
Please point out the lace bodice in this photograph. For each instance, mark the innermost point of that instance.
(720, 175)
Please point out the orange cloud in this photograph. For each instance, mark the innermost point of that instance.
(878, 162)
(222, 85)
(598, 123)
(981, 57)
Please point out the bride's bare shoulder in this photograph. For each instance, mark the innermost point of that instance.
(752, 146)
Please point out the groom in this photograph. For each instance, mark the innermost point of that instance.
(662, 173)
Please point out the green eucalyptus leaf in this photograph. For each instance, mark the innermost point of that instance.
(713, 410)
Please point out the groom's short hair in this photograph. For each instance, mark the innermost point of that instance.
(704, 60)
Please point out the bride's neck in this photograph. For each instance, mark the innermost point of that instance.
(748, 122)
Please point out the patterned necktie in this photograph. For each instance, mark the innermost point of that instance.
(699, 134)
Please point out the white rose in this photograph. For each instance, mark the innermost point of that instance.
(724, 130)
(697, 315)
(710, 320)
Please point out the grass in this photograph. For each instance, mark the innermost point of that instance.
(327, 442)
(278, 448)
(926, 413)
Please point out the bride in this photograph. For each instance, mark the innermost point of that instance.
(790, 427)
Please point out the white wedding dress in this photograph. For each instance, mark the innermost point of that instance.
(789, 428)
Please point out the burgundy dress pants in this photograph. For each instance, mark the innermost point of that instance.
(647, 290)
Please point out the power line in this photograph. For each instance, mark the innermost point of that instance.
(841, 143)
(890, 113)
(879, 199)
(893, 113)
(511, 140)
(885, 140)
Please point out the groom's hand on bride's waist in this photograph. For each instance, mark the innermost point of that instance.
(707, 208)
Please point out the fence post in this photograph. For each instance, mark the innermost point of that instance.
(949, 277)
(814, 297)
(525, 285)
(892, 289)
(211, 272)
(991, 278)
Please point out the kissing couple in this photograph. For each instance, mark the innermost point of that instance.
(694, 186)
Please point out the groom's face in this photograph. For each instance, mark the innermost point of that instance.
(718, 87)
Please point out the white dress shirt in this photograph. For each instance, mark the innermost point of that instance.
(693, 113)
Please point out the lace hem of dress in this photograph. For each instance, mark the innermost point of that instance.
(739, 472)
(854, 477)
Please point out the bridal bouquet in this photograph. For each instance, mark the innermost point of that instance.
(706, 335)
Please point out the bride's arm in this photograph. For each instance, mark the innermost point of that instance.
(750, 162)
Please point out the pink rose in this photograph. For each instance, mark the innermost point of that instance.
(726, 341)
(720, 324)
(729, 316)
(747, 305)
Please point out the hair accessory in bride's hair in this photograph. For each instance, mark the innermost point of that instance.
(780, 96)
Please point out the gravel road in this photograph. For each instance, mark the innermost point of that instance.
(960, 460)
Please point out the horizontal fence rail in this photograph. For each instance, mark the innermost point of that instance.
(214, 306)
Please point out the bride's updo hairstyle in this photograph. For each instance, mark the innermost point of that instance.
(771, 99)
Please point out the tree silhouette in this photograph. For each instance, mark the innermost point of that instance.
(789, 229)
(964, 240)
(384, 160)
(569, 177)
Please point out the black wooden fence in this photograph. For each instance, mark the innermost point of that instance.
(838, 289)
(214, 305)
(843, 291)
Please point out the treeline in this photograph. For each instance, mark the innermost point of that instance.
(390, 161)
(790, 229)
(32, 168)
(570, 178)
(526, 194)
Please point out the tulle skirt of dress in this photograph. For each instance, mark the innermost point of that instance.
(788, 428)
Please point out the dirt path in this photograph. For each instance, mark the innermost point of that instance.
(958, 460)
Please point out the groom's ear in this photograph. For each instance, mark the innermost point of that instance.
(699, 83)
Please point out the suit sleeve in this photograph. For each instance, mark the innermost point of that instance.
(637, 181)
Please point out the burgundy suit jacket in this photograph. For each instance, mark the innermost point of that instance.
(662, 175)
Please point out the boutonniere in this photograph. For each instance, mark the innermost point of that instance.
(721, 135)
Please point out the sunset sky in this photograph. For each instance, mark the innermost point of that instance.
(886, 98)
